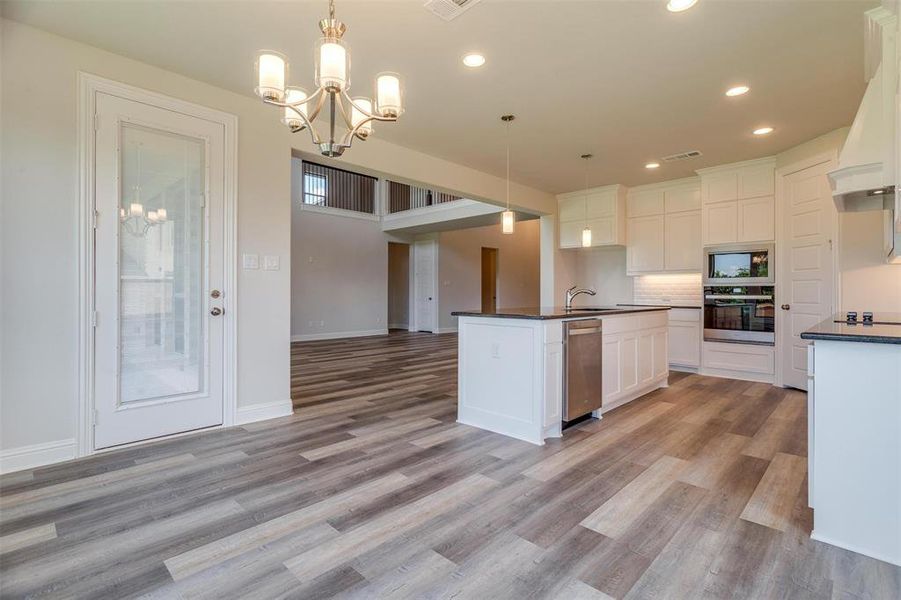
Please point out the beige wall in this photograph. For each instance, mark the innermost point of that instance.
(39, 231)
(38, 358)
(868, 283)
(398, 285)
(460, 268)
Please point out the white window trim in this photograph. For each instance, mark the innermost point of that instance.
(89, 86)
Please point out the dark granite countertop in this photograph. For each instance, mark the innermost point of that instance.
(557, 312)
(664, 305)
(840, 331)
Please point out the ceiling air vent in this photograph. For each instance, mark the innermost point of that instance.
(449, 9)
(681, 156)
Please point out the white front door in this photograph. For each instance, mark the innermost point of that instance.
(158, 358)
(806, 284)
(425, 257)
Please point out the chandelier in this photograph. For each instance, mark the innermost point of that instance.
(332, 78)
(135, 220)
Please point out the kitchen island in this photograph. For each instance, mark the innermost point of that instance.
(854, 435)
(511, 364)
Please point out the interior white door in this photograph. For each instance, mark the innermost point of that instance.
(806, 285)
(158, 358)
(425, 274)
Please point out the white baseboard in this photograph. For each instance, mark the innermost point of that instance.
(446, 330)
(895, 560)
(37, 455)
(262, 412)
(732, 374)
(336, 335)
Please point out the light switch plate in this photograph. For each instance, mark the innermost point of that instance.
(270, 263)
(251, 261)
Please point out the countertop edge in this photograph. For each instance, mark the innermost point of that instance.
(573, 315)
(851, 337)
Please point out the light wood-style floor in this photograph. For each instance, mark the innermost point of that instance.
(371, 490)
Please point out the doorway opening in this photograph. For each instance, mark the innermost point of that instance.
(398, 286)
(489, 280)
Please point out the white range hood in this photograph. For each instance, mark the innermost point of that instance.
(866, 175)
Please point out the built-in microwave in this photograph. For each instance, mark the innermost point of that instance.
(739, 264)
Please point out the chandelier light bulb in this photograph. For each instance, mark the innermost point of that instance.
(271, 74)
(360, 111)
(161, 214)
(291, 118)
(389, 96)
(136, 210)
(332, 65)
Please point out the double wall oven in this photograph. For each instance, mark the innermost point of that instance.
(739, 294)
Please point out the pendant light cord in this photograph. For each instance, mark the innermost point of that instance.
(507, 135)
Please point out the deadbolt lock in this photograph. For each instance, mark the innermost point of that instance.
(215, 294)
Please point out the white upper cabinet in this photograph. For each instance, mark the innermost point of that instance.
(664, 227)
(682, 241)
(644, 252)
(738, 203)
(603, 210)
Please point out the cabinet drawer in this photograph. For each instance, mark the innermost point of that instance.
(739, 357)
(654, 319)
(687, 315)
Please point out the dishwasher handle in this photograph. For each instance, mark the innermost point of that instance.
(583, 331)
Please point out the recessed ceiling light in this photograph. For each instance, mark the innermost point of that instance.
(473, 60)
(680, 5)
(652, 165)
(763, 130)
(738, 90)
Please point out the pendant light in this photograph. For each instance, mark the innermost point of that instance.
(586, 233)
(508, 217)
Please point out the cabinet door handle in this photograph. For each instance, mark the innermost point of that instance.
(785, 306)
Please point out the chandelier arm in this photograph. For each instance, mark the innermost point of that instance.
(372, 117)
(320, 100)
(347, 119)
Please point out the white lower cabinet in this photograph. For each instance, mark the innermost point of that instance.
(634, 357)
(742, 361)
(684, 337)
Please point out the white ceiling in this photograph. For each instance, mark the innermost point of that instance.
(626, 80)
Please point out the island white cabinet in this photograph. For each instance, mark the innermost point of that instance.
(738, 202)
(663, 231)
(854, 433)
(510, 369)
(600, 209)
(634, 357)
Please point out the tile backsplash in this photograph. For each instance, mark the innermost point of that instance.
(676, 289)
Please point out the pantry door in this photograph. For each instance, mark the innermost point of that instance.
(158, 272)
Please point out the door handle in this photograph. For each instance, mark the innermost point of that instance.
(785, 306)
(216, 311)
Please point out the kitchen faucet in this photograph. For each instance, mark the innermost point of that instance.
(575, 291)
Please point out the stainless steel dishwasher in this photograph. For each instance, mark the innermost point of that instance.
(582, 345)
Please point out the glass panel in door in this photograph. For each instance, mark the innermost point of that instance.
(161, 265)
